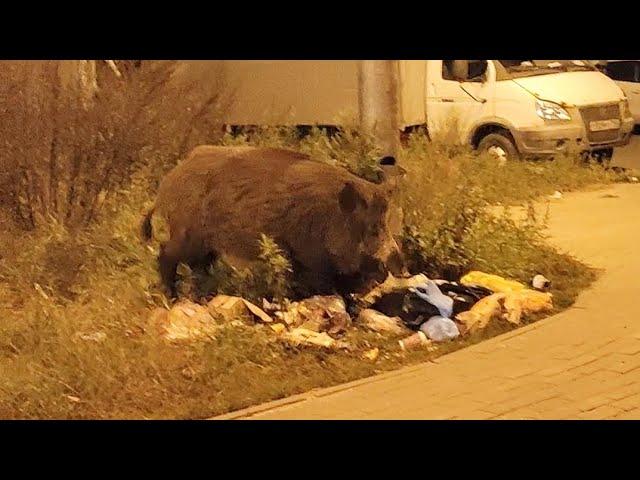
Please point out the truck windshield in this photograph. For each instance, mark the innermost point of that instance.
(527, 68)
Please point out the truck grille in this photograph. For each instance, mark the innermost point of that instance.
(601, 112)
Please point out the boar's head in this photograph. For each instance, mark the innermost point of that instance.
(367, 243)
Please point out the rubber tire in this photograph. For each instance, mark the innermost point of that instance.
(502, 141)
(604, 156)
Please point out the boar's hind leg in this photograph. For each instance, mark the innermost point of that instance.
(175, 251)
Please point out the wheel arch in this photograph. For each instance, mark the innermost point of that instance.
(495, 125)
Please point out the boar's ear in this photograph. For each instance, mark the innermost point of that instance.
(350, 198)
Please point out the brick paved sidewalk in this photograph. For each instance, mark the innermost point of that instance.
(581, 364)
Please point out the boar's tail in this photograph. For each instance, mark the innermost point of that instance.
(146, 229)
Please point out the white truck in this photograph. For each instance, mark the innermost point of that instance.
(511, 108)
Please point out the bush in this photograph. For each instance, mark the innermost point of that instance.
(269, 277)
(62, 153)
(449, 225)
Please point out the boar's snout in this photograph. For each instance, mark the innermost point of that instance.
(390, 258)
(395, 263)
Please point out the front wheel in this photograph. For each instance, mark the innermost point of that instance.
(600, 157)
(499, 146)
(604, 156)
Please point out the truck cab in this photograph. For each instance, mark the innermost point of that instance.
(526, 108)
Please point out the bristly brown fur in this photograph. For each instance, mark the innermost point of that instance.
(220, 199)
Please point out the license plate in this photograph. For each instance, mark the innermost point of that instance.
(600, 125)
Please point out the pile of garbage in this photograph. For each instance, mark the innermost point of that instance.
(314, 321)
(421, 310)
(441, 310)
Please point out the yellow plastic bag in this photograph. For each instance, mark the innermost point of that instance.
(526, 301)
(487, 309)
(509, 306)
(494, 283)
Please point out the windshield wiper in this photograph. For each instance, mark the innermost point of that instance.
(579, 67)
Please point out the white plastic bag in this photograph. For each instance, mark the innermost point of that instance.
(440, 329)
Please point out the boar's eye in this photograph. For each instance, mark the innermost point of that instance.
(375, 231)
(379, 204)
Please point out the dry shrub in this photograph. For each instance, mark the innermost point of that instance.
(65, 150)
(345, 147)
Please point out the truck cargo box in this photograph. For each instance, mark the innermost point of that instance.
(304, 92)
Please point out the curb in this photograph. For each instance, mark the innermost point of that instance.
(249, 412)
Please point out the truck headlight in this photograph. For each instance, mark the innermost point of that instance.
(624, 108)
(551, 111)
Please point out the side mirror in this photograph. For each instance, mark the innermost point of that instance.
(477, 70)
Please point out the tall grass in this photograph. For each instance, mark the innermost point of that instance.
(75, 335)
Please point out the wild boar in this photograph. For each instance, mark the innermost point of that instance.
(336, 228)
